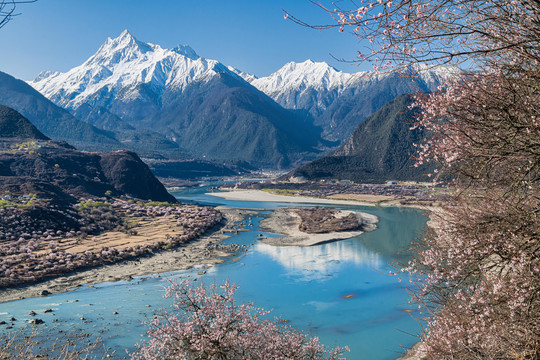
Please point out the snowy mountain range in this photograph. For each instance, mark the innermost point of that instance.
(207, 109)
(294, 85)
(217, 111)
(339, 101)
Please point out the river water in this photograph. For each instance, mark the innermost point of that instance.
(311, 287)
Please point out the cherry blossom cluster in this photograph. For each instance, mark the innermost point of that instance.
(481, 267)
(208, 323)
(397, 33)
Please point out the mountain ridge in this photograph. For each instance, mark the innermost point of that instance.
(125, 63)
(52, 120)
(339, 101)
(128, 87)
(14, 125)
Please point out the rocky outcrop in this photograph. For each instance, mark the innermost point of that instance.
(320, 220)
(127, 173)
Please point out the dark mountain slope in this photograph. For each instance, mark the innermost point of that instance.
(84, 174)
(226, 118)
(14, 125)
(130, 175)
(193, 169)
(50, 119)
(356, 103)
(144, 142)
(380, 148)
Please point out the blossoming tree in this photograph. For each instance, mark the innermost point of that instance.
(480, 266)
(208, 323)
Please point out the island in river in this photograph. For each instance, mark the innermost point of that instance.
(314, 226)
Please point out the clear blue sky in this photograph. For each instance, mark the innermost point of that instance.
(250, 35)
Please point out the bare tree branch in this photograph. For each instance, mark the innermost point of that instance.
(7, 10)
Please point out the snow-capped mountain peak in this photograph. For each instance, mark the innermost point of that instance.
(295, 81)
(124, 39)
(305, 85)
(125, 46)
(45, 74)
(244, 75)
(339, 100)
(125, 68)
(432, 75)
(307, 74)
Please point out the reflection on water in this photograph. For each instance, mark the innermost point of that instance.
(397, 227)
(320, 261)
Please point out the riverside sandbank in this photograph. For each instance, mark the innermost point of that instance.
(259, 195)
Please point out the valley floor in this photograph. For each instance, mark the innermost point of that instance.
(204, 250)
(260, 195)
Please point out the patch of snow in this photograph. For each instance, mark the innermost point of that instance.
(314, 85)
(244, 75)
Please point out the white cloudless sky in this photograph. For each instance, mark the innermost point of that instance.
(250, 35)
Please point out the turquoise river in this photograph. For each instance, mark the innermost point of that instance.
(308, 286)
